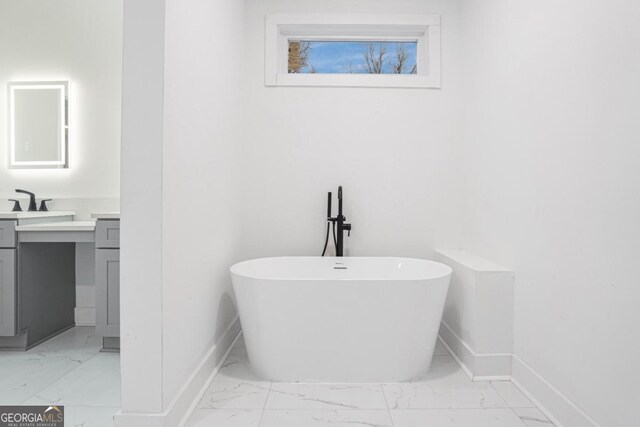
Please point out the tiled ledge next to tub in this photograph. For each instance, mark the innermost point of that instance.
(45, 259)
(477, 324)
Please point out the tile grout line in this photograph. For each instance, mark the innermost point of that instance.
(507, 403)
(268, 392)
(498, 393)
(503, 405)
(64, 376)
(265, 404)
(513, 409)
(59, 378)
(387, 404)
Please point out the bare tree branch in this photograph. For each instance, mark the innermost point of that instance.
(350, 68)
(402, 57)
(305, 53)
(375, 58)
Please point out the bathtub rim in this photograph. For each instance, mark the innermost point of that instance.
(235, 266)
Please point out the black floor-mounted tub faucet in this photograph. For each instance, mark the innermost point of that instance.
(336, 222)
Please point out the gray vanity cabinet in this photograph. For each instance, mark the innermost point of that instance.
(108, 292)
(108, 282)
(108, 234)
(7, 292)
(7, 234)
(37, 279)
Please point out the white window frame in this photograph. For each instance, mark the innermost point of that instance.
(425, 29)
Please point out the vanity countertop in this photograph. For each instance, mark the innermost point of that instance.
(60, 226)
(39, 214)
(106, 215)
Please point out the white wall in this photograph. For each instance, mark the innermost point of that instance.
(183, 86)
(209, 157)
(542, 176)
(141, 223)
(79, 41)
(204, 82)
(393, 150)
(553, 181)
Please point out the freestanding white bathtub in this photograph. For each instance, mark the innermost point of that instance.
(340, 319)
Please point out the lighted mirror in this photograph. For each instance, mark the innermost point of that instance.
(38, 124)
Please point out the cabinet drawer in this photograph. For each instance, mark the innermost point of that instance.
(108, 233)
(7, 234)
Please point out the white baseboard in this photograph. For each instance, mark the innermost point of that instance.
(85, 316)
(480, 367)
(180, 408)
(212, 376)
(553, 403)
(456, 354)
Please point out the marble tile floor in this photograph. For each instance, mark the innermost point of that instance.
(445, 397)
(67, 370)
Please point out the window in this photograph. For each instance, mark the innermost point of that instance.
(353, 50)
(352, 57)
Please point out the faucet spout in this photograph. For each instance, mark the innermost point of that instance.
(32, 199)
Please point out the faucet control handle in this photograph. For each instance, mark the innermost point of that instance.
(16, 205)
(348, 228)
(43, 205)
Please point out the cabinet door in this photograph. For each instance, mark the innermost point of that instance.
(108, 292)
(8, 297)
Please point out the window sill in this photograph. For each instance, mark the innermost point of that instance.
(357, 80)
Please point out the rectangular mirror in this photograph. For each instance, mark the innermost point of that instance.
(38, 124)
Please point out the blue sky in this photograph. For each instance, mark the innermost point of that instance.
(335, 56)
